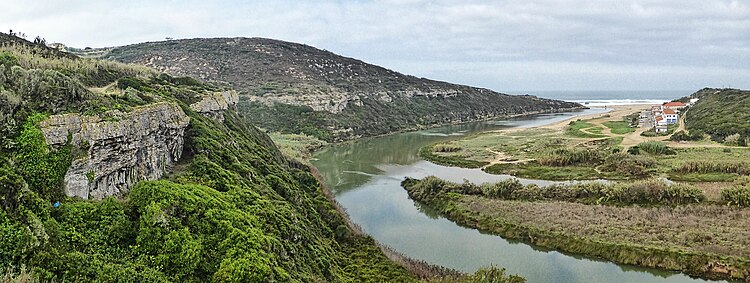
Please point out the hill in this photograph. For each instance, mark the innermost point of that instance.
(114, 172)
(295, 88)
(721, 113)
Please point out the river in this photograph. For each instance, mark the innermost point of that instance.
(365, 177)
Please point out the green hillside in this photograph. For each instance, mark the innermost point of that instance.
(234, 210)
(296, 88)
(721, 113)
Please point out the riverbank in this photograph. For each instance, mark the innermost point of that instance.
(598, 146)
(707, 241)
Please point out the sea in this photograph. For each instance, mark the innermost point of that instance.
(611, 98)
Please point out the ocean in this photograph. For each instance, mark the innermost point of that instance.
(606, 98)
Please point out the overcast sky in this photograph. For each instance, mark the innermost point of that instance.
(503, 45)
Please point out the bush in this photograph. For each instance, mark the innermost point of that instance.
(652, 192)
(42, 167)
(732, 139)
(628, 165)
(680, 136)
(737, 196)
(8, 59)
(741, 168)
(634, 150)
(446, 148)
(641, 192)
(565, 157)
(656, 148)
(503, 189)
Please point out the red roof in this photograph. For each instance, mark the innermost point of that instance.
(674, 104)
(669, 111)
(659, 118)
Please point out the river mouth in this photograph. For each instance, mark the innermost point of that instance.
(365, 177)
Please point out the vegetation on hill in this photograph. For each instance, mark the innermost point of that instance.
(295, 88)
(235, 210)
(721, 113)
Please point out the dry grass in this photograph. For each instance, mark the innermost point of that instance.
(698, 228)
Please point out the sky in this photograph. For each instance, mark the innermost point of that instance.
(509, 46)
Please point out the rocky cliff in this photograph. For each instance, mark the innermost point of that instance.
(214, 105)
(113, 154)
(297, 88)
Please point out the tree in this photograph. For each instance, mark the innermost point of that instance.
(39, 40)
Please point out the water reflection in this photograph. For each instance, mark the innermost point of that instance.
(366, 176)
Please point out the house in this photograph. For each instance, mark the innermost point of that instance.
(659, 121)
(662, 129)
(670, 116)
(675, 105)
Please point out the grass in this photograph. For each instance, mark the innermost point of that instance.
(575, 130)
(619, 127)
(552, 155)
(456, 161)
(536, 171)
(297, 146)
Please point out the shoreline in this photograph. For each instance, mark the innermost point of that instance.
(476, 212)
(419, 268)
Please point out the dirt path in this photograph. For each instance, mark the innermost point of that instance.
(503, 158)
(617, 114)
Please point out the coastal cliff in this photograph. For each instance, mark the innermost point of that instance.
(296, 88)
(115, 154)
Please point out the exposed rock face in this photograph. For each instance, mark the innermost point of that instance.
(213, 105)
(118, 152)
(295, 88)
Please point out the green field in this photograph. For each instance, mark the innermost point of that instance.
(619, 127)
(583, 151)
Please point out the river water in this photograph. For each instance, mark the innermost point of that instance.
(365, 176)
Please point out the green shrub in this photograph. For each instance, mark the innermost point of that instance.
(737, 196)
(737, 167)
(504, 189)
(656, 148)
(695, 135)
(733, 139)
(649, 192)
(634, 150)
(446, 148)
(565, 157)
(652, 192)
(134, 83)
(628, 165)
(8, 59)
(42, 167)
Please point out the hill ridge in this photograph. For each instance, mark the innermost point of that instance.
(293, 87)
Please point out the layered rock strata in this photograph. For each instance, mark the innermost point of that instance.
(112, 154)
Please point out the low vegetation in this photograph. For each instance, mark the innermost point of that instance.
(627, 125)
(559, 155)
(646, 223)
(583, 129)
(298, 147)
(457, 161)
(649, 192)
(694, 135)
(655, 148)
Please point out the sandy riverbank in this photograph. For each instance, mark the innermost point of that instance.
(618, 111)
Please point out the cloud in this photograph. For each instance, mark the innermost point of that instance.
(688, 41)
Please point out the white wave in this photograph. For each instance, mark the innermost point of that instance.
(612, 102)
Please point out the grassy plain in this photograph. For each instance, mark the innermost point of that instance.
(553, 152)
